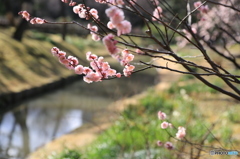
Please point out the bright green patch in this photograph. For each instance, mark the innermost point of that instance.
(67, 154)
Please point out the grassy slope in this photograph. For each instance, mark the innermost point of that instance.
(30, 63)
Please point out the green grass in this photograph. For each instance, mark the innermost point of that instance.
(137, 130)
(67, 154)
(190, 85)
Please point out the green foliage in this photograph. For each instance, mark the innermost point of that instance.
(154, 103)
(67, 154)
(191, 87)
(233, 115)
(138, 128)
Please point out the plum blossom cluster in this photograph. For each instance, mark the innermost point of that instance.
(110, 43)
(85, 12)
(202, 8)
(219, 16)
(181, 42)
(116, 2)
(181, 133)
(164, 125)
(93, 30)
(124, 57)
(117, 21)
(25, 15)
(99, 69)
(71, 3)
(112, 2)
(168, 145)
(162, 115)
(157, 13)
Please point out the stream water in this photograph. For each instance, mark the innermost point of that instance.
(37, 121)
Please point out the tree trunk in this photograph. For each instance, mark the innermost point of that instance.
(64, 27)
(18, 34)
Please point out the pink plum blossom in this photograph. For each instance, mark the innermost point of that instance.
(138, 51)
(159, 143)
(99, 69)
(72, 3)
(197, 4)
(164, 125)
(80, 10)
(125, 57)
(37, 21)
(181, 132)
(113, 2)
(73, 60)
(111, 72)
(110, 25)
(63, 60)
(76, 9)
(25, 15)
(91, 56)
(161, 115)
(127, 71)
(94, 13)
(110, 44)
(115, 14)
(93, 31)
(120, 2)
(168, 145)
(205, 9)
(157, 13)
(82, 13)
(61, 53)
(55, 51)
(92, 77)
(201, 8)
(124, 27)
(118, 75)
(117, 21)
(95, 37)
(79, 69)
(65, 1)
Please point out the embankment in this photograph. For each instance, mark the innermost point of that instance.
(28, 69)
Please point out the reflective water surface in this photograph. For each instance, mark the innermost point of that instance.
(33, 127)
(37, 121)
